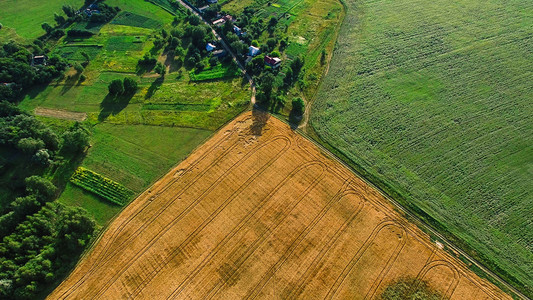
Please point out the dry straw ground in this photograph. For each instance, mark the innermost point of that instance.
(260, 212)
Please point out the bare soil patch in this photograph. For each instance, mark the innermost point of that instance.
(60, 114)
(260, 212)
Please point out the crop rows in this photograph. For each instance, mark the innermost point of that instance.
(101, 186)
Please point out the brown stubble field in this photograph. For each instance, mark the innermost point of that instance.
(260, 212)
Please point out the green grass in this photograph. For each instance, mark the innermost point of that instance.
(102, 211)
(99, 185)
(131, 19)
(143, 8)
(432, 99)
(26, 16)
(217, 72)
(137, 155)
(73, 52)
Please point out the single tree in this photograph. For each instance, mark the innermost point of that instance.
(116, 87)
(47, 27)
(160, 69)
(78, 67)
(130, 85)
(298, 106)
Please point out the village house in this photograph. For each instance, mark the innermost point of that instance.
(273, 62)
(39, 60)
(212, 1)
(219, 21)
(92, 9)
(237, 30)
(253, 51)
(223, 20)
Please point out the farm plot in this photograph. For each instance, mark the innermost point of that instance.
(260, 212)
(432, 100)
(101, 186)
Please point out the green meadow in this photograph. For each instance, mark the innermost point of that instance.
(22, 19)
(431, 100)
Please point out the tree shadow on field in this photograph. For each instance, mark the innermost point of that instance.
(70, 82)
(112, 105)
(259, 120)
(295, 119)
(154, 87)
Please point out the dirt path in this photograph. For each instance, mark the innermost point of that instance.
(60, 114)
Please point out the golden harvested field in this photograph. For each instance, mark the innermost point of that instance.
(259, 212)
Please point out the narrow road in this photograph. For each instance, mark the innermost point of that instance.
(226, 47)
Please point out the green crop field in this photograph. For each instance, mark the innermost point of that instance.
(218, 72)
(26, 16)
(432, 100)
(131, 19)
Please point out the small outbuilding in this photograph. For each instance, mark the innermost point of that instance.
(210, 47)
(219, 21)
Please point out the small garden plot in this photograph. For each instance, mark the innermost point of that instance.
(171, 6)
(135, 20)
(217, 72)
(101, 186)
(73, 52)
(125, 43)
(87, 26)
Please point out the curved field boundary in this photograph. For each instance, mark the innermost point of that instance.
(362, 251)
(260, 213)
(442, 263)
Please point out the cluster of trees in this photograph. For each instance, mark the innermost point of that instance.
(18, 74)
(272, 90)
(39, 239)
(42, 249)
(118, 87)
(185, 42)
(34, 140)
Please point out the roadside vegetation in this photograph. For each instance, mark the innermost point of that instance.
(299, 33)
(435, 108)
